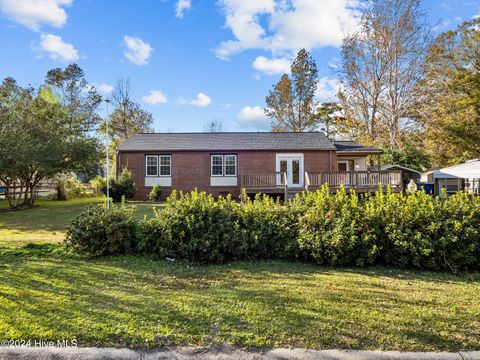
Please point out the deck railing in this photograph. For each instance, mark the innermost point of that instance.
(264, 180)
(359, 179)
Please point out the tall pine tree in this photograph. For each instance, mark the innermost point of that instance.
(291, 104)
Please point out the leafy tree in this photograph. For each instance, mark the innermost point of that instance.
(36, 143)
(449, 96)
(330, 115)
(291, 104)
(381, 64)
(127, 118)
(81, 100)
(409, 155)
(14, 102)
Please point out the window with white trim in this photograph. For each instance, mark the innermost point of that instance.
(217, 165)
(224, 165)
(158, 165)
(230, 165)
(152, 165)
(165, 165)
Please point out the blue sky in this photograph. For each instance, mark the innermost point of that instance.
(189, 61)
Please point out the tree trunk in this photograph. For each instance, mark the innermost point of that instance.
(26, 193)
(32, 194)
(61, 195)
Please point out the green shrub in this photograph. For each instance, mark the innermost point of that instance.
(124, 186)
(156, 193)
(97, 231)
(341, 229)
(456, 244)
(194, 226)
(332, 229)
(269, 229)
(421, 231)
(97, 184)
(71, 188)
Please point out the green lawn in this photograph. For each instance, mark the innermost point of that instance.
(138, 301)
(48, 220)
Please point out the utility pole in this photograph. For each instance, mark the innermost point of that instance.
(107, 101)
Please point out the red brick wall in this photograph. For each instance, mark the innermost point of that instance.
(191, 170)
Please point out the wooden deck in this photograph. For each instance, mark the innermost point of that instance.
(360, 181)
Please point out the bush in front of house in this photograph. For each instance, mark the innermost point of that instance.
(194, 226)
(98, 231)
(123, 186)
(339, 229)
(269, 229)
(156, 193)
(332, 229)
(421, 231)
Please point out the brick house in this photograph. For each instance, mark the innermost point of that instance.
(274, 163)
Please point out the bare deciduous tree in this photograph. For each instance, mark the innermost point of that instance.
(213, 126)
(127, 118)
(381, 65)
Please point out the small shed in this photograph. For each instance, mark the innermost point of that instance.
(407, 173)
(458, 177)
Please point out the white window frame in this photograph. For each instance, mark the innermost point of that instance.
(211, 164)
(224, 162)
(160, 165)
(146, 165)
(225, 165)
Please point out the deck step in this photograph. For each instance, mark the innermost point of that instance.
(291, 193)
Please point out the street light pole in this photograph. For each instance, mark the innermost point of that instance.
(107, 101)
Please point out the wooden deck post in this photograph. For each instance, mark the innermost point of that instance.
(356, 181)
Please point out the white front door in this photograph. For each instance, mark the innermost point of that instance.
(292, 165)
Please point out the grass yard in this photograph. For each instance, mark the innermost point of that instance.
(48, 220)
(133, 301)
(138, 301)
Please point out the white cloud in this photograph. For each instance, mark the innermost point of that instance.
(56, 48)
(201, 100)
(104, 88)
(155, 97)
(181, 7)
(271, 66)
(284, 26)
(253, 117)
(327, 88)
(35, 13)
(137, 51)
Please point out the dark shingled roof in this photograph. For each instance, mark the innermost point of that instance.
(355, 147)
(228, 141)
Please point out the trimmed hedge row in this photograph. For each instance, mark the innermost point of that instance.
(414, 231)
